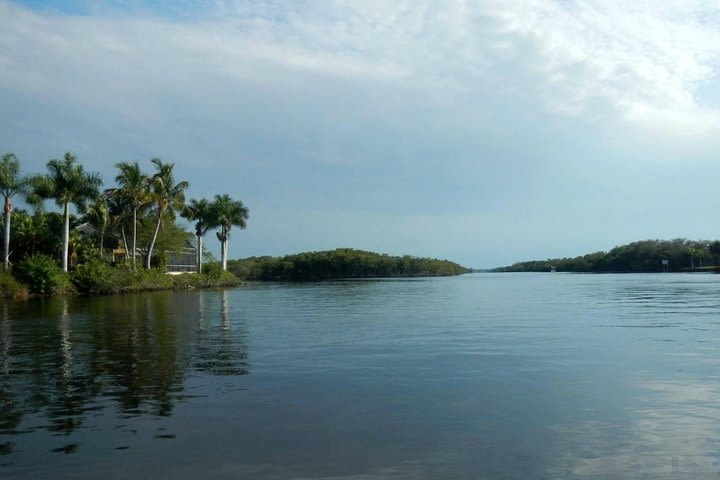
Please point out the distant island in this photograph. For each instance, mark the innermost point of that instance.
(646, 256)
(340, 263)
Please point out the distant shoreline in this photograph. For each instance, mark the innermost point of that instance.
(341, 263)
(646, 256)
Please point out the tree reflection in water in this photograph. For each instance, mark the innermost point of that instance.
(221, 350)
(62, 359)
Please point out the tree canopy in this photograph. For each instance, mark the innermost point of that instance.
(637, 257)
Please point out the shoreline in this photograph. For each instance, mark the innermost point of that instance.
(118, 282)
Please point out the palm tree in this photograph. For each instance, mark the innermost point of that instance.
(11, 184)
(97, 214)
(169, 197)
(200, 212)
(135, 190)
(227, 212)
(68, 183)
(118, 208)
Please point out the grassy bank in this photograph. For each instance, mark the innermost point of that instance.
(43, 277)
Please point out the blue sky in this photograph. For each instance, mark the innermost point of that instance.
(485, 132)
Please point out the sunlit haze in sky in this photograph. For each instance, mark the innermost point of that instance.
(483, 131)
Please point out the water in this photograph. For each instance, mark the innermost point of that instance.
(513, 376)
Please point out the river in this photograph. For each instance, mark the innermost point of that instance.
(513, 376)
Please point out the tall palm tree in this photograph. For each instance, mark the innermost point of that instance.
(134, 188)
(69, 184)
(199, 211)
(118, 211)
(169, 197)
(227, 212)
(97, 214)
(11, 184)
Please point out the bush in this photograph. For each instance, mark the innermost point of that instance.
(9, 287)
(213, 271)
(93, 276)
(217, 278)
(42, 274)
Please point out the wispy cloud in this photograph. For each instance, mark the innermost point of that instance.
(644, 60)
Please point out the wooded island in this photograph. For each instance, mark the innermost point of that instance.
(646, 256)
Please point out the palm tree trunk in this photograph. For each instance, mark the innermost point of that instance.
(6, 249)
(222, 253)
(66, 238)
(102, 239)
(122, 230)
(152, 244)
(225, 254)
(199, 254)
(134, 265)
(224, 249)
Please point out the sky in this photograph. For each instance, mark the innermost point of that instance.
(481, 131)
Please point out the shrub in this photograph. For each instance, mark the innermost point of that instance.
(217, 278)
(9, 287)
(213, 271)
(93, 276)
(42, 274)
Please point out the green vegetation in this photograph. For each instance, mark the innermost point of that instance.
(11, 288)
(637, 257)
(64, 252)
(340, 263)
(99, 278)
(42, 275)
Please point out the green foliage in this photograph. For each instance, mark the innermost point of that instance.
(168, 196)
(97, 277)
(141, 207)
(11, 183)
(67, 182)
(198, 211)
(42, 274)
(218, 278)
(9, 287)
(213, 270)
(226, 212)
(37, 233)
(637, 257)
(340, 263)
(93, 276)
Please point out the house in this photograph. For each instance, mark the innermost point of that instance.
(182, 260)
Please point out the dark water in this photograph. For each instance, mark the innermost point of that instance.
(482, 376)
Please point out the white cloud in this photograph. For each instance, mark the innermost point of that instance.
(644, 60)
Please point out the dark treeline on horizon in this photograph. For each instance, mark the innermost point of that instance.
(644, 256)
(340, 263)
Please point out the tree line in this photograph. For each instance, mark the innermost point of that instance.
(143, 206)
(340, 263)
(644, 256)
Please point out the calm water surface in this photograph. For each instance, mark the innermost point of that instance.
(516, 376)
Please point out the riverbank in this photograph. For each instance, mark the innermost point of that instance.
(106, 280)
(40, 275)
